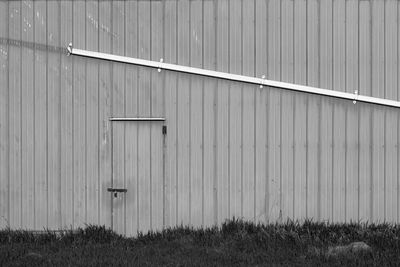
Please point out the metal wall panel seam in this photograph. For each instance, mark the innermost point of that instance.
(137, 129)
(131, 109)
(208, 87)
(125, 126)
(371, 118)
(98, 123)
(189, 128)
(255, 114)
(202, 118)
(4, 118)
(79, 117)
(176, 167)
(15, 119)
(8, 121)
(156, 103)
(260, 66)
(164, 144)
(215, 109)
(118, 109)
(59, 123)
(91, 115)
(66, 118)
(170, 107)
(20, 121)
(112, 114)
(358, 113)
(398, 117)
(73, 123)
(53, 96)
(47, 119)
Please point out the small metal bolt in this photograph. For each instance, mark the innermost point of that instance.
(356, 94)
(262, 77)
(161, 61)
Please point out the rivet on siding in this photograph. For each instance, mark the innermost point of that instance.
(355, 96)
(262, 77)
(161, 61)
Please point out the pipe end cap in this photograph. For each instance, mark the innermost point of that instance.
(69, 49)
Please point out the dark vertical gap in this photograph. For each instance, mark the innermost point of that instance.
(293, 145)
(241, 109)
(268, 97)
(20, 114)
(280, 102)
(346, 115)
(86, 112)
(307, 113)
(319, 152)
(306, 50)
(8, 117)
(371, 119)
(293, 100)
(176, 115)
(125, 65)
(60, 214)
(359, 112)
(215, 107)
(398, 117)
(151, 111)
(190, 113)
(111, 111)
(333, 111)
(202, 113)
(385, 118)
(73, 110)
(307, 109)
(47, 124)
(385, 113)
(99, 122)
(229, 112)
(255, 112)
(137, 114)
(34, 120)
(164, 150)
(267, 37)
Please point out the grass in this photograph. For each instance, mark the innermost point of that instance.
(235, 243)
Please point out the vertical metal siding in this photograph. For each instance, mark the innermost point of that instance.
(4, 111)
(105, 154)
(232, 149)
(66, 91)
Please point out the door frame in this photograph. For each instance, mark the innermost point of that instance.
(115, 191)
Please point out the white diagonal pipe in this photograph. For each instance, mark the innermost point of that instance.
(232, 77)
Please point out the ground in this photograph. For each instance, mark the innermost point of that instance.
(235, 243)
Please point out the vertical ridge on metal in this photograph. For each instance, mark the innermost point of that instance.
(160, 65)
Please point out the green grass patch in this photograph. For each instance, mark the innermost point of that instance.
(235, 243)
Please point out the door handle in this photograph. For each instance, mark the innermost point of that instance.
(117, 190)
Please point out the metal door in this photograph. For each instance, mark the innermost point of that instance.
(137, 189)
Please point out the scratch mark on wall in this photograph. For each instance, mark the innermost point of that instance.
(103, 27)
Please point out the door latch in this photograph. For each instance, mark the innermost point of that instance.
(117, 190)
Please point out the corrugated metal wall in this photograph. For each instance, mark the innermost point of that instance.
(231, 149)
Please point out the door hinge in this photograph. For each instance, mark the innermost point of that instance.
(164, 129)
